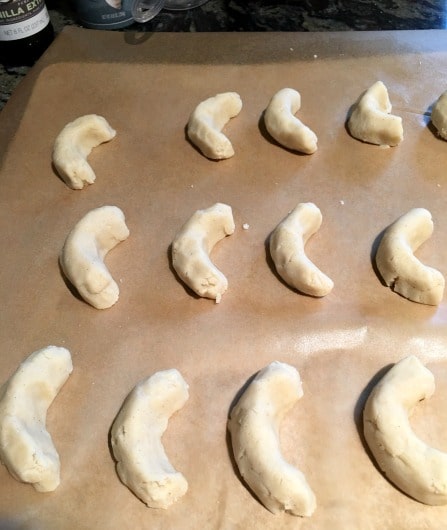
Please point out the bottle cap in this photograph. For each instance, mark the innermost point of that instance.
(145, 10)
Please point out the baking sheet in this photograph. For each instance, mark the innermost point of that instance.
(146, 87)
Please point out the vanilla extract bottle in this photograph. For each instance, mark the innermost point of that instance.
(25, 31)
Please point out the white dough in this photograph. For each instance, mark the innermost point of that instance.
(287, 250)
(439, 115)
(286, 128)
(206, 122)
(413, 466)
(192, 246)
(142, 464)
(26, 447)
(371, 120)
(82, 256)
(73, 145)
(398, 265)
(254, 426)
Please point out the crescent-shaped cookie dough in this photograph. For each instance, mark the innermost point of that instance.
(192, 246)
(282, 124)
(73, 145)
(398, 266)
(287, 250)
(254, 426)
(371, 120)
(439, 115)
(82, 256)
(26, 447)
(413, 466)
(207, 121)
(142, 464)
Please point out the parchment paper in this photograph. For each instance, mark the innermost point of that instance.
(146, 86)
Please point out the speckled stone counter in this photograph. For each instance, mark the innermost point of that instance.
(266, 15)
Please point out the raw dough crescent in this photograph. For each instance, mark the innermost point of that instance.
(26, 447)
(207, 121)
(73, 145)
(371, 120)
(254, 427)
(287, 250)
(282, 124)
(82, 256)
(413, 466)
(192, 246)
(142, 464)
(439, 115)
(398, 265)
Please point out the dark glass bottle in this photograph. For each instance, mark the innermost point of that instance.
(25, 31)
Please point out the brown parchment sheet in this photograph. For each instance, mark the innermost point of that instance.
(146, 86)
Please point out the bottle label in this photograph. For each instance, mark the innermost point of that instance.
(22, 18)
(104, 14)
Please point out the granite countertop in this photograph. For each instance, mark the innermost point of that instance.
(265, 15)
